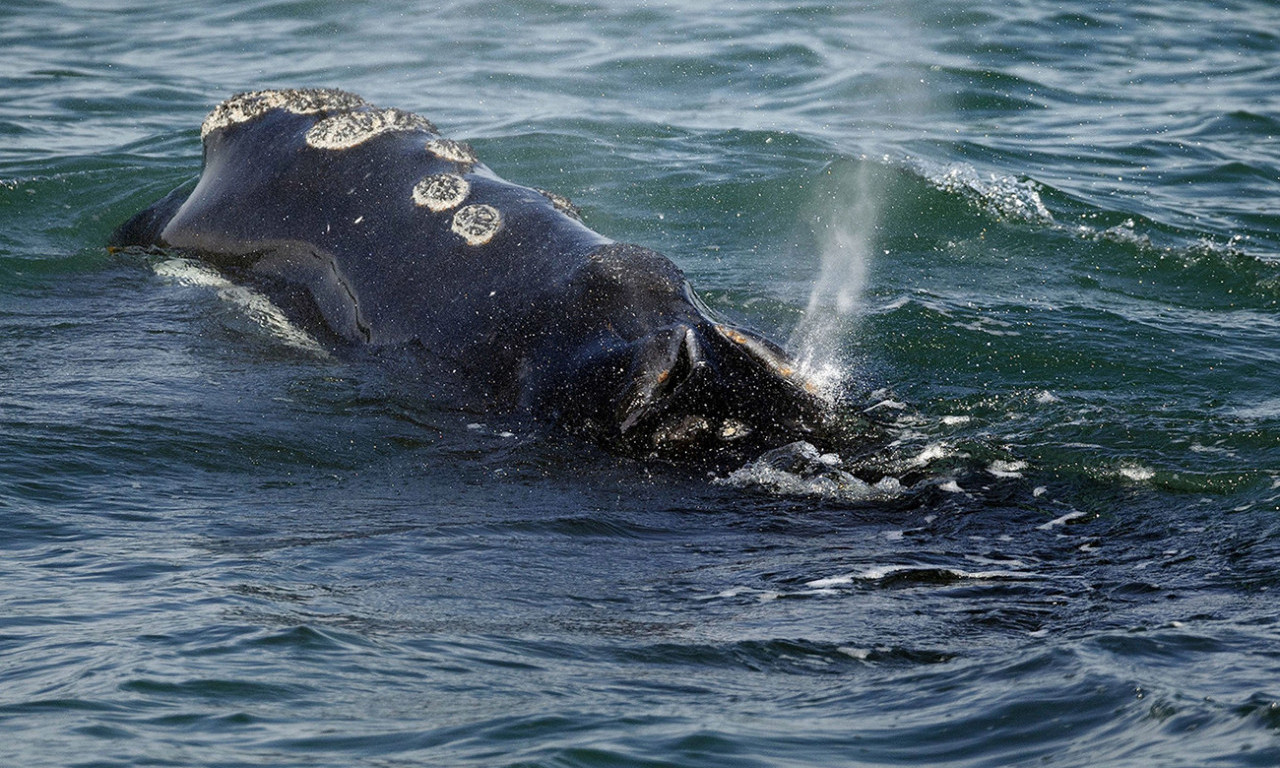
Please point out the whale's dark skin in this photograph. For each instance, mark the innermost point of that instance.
(370, 230)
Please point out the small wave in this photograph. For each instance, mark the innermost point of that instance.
(1004, 468)
(800, 469)
(1005, 197)
(784, 655)
(1135, 472)
(1125, 233)
(257, 307)
(1058, 521)
(1263, 409)
(896, 575)
(1195, 264)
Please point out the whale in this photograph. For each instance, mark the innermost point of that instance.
(373, 231)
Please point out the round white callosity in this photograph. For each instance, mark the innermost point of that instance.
(454, 151)
(477, 224)
(441, 191)
(244, 107)
(354, 128)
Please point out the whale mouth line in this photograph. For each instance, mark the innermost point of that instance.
(710, 385)
(652, 392)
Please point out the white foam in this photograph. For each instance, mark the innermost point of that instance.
(1125, 232)
(1136, 473)
(799, 469)
(1001, 468)
(1218, 449)
(931, 453)
(980, 560)
(882, 572)
(1006, 197)
(1268, 408)
(984, 325)
(834, 581)
(1057, 521)
(861, 654)
(896, 405)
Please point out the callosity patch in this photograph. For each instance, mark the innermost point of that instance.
(244, 107)
(477, 224)
(350, 129)
(441, 191)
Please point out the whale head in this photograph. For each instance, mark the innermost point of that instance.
(664, 379)
(372, 230)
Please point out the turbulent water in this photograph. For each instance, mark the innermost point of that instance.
(1036, 243)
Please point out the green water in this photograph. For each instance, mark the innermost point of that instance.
(1038, 245)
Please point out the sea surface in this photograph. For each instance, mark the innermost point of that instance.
(1037, 243)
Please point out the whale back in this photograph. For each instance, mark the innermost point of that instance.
(373, 230)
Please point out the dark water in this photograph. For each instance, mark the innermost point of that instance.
(1039, 240)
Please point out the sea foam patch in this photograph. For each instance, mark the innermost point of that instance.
(1006, 197)
(800, 469)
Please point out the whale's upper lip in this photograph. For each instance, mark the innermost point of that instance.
(711, 382)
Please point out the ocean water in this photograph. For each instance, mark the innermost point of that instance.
(1038, 243)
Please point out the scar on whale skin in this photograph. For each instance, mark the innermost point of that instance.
(369, 229)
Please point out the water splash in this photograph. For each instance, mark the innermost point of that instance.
(800, 469)
(1007, 198)
(847, 214)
